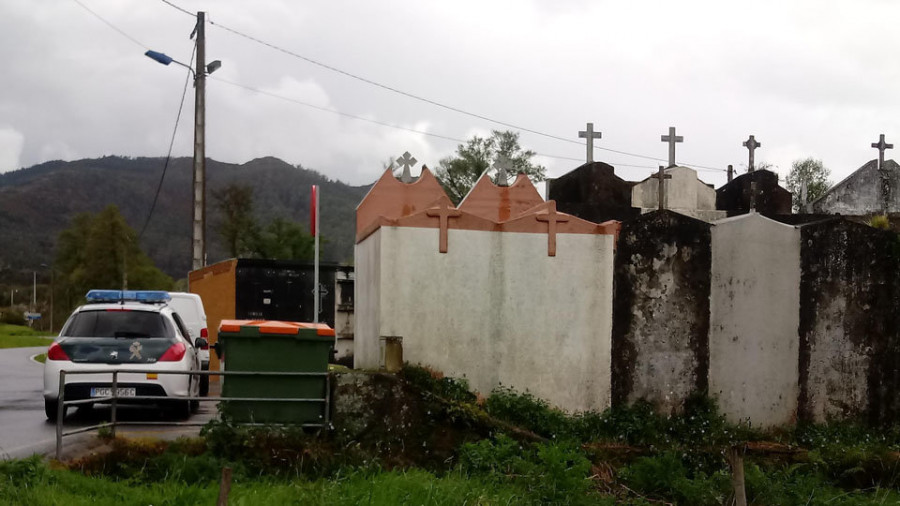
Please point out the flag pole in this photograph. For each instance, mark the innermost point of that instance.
(315, 227)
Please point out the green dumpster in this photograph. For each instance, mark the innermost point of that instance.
(276, 346)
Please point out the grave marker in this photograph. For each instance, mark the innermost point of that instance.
(672, 139)
(590, 135)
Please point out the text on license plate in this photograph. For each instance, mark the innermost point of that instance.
(107, 392)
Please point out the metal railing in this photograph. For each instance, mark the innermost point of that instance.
(114, 398)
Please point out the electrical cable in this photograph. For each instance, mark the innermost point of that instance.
(423, 99)
(129, 37)
(162, 177)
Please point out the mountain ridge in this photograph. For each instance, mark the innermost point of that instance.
(38, 202)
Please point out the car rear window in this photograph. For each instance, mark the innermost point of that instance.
(129, 324)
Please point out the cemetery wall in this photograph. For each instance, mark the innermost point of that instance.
(861, 192)
(367, 300)
(495, 309)
(849, 323)
(661, 311)
(754, 317)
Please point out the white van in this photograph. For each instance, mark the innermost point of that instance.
(189, 307)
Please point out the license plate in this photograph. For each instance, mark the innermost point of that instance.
(107, 392)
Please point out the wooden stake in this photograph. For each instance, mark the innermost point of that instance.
(735, 456)
(224, 487)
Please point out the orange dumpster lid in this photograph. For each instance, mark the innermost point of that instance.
(275, 327)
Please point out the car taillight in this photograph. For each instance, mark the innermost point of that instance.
(174, 353)
(56, 353)
(205, 335)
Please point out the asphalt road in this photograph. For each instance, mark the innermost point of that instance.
(24, 429)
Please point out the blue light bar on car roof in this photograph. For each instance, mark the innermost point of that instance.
(148, 296)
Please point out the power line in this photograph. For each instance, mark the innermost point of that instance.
(162, 177)
(418, 97)
(129, 37)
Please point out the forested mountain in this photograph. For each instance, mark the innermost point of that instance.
(38, 202)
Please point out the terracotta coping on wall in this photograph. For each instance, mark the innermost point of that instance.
(534, 221)
(391, 198)
(501, 203)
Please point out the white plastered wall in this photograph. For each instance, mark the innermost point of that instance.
(754, 320)
(495, 309)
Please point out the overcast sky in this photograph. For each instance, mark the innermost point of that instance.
(807, 78)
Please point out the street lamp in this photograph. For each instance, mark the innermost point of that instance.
(198, 242)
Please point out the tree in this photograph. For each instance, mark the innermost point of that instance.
(101, 251)
(459, 173)
(281, 239)
(237, 225)
(816, 176)
(284, 240)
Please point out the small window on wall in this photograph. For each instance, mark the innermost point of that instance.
(346, 301)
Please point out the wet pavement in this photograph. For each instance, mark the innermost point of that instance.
(25, 430)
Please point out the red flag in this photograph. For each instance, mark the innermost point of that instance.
(314, 209)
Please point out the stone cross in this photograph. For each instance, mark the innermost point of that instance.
(885, 184)
(590, 135)
(661, 194)
(406, 161)
(672, 139)
(881, 146)
(443, 212)
(502, 164)
(552, 218)
(751, 145)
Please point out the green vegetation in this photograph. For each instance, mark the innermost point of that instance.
(816, 176)
(880, 221)
(625, 456)
(42, 358)
(18, 336)
(459, 173)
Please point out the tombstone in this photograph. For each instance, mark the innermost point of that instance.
(754, 301)
(863, 192)
(593, 192)
(684, 193)
(660, 344)
(849, 323)
(759, 188)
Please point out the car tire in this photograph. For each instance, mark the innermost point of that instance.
(181, 410)
(204, 384)
(195, 406)
(51, 409)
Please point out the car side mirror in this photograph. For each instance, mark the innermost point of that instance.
(201, 343)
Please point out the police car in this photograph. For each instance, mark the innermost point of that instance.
(122, 330)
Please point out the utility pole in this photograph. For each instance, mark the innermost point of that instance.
(198, 246)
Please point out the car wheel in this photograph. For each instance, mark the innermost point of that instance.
(51, 409)
(195, 406)
(204, 384)
(181, 410)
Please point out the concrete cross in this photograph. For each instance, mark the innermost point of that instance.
(406, 161)
(751, 145)
(881, 146)
(502, 164)
(590, 135)
(672, 139)
(661, 194)
(552, 218)
(444, 213)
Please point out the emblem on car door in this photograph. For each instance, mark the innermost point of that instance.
(114, 355)
(135, 350)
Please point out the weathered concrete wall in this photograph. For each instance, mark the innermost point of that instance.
(769, 198)
(495, 309)
(754, 317)
(849, 355)
(685, 194)
(661, 311)
(861, 192)
(593, 192)
(367, 300)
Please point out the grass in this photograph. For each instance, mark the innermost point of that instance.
(34, 483)
(42, 358)
(18, 336)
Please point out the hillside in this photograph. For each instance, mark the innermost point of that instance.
(38, 202)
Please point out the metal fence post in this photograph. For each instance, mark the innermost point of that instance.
(60, 412)
(115, 397)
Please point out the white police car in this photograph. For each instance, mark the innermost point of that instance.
(122, 330)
